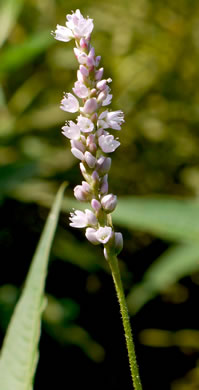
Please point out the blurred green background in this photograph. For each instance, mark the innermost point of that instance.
(150, 48)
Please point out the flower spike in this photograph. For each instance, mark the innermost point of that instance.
(89, 134)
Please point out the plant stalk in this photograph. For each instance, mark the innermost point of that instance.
(113, 263)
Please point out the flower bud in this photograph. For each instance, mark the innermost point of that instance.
(104, 185)
(91, 218)
(93, 92)
(84, 172)
(97, 60)
(77, 153)
(91, 58)
(102, 84)
(95, 204)
(94, 117)
(80, 76)
(90, 106)
(84, 71)
(118, 243)
(103, 165)
(95, 176)
(92, 52)
(90, 159)
(81, 56)
(82, 168)
(78, 145)
(83, 43)
(91, 143)
(109, 202)
(83, 192)
(91, 236)
(99, 74)
(90, 63)
(90, 139)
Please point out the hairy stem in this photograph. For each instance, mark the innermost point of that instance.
(113, 263)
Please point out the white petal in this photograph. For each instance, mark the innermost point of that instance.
(72, 131)
(69, 103)
(91, 236)
(108, 144)
(103, 114)
(63, 34)
(80, 90)
(80, 26)
(103, 234)
(107, 101)
(91, 218)
(78, 219)
(85, 124)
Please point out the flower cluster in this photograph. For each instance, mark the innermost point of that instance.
(89, 136)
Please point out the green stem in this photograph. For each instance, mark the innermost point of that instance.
(113, 263)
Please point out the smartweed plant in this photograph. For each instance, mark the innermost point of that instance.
(91, 143)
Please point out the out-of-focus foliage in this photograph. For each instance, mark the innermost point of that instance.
(150, 48)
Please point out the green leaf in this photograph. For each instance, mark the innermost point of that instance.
(9, 11)
(172, 265)
(16, 56)
(167, 218)
(19, 354)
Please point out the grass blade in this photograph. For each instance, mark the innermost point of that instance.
(20, 349)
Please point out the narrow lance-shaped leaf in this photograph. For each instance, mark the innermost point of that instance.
(20, 349)
(171, 266)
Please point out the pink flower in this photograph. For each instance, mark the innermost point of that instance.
(78, 144)
(62, 33)
(114, 119)
(85, 124)
(72, 131)
(91, 236)
(80, 27)
(79, 219)
(83, 192)
(80, 90)
(81, 56)
(103, 234)
(108, 144)
(69, 103)
(107, 101)
(111, 119)
(101, 123)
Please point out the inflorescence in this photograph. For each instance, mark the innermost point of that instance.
(89, 136)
